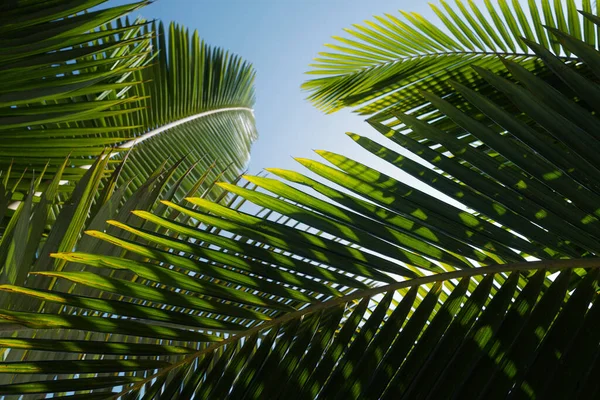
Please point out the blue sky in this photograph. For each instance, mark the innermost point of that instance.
(280, 38)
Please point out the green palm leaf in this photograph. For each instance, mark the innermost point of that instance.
(94, 80)
(244, 367)
(383, 64)
(370, 289)
(199, 105)
(62, 73)
(92, 290)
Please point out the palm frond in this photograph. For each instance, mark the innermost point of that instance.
(76, 82)
(383, 64)
(65, 77)
(512, 332)
(373, 290)
(381, 291)
(319, 353)
(42, 274)
(198, 103)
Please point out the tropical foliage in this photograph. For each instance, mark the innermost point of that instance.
(197, 104)
(349, 283)
(79, 86)
(382, 65)
(92, 80)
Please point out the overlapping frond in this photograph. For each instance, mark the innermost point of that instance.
(75, 83)
(472, 343)
(211, 301)
(65, 80)
(38, 229)
(39, 272)
(372, 290)
(198, 102)
(78, 84)
(212, 330)
(383, 64)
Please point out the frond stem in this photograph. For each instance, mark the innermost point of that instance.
(438, 54)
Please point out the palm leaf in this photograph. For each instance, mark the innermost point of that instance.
(63, 70)
(91, 81)
(382, 65)
(309, 358)
(46, 274)
(199, 105)
(94, 80)
(376, 289)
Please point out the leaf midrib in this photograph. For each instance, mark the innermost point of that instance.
(174, 124)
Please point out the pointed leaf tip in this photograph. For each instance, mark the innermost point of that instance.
(60, 256)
